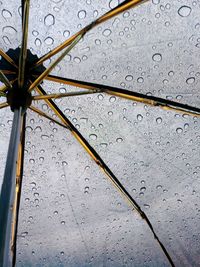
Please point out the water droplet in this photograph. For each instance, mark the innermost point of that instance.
(190, 80)
(143, 189)
(107, 32)
(140, 80)
(93, 136)
(66, 34)
(119, 140)
(104, 145)
(179, 130)
(157, 57)
(139, 117)
(129, 78)
(81, 14)
(184, 11)
(38, 42)
(6, 14)
(49, 41)
(159, 120)
(49, 20)
(9, 30)
(35, 33)
(112, 99)
(113, 3)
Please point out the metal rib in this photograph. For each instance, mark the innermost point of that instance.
(23, 51)
(47, 71)
(99, 161)
(122, 7)
(41, 113)
(134, 96)
(5, 88)
(8, 59)
(8, 71)
(5, 80)
(55, 96)
(3, 105)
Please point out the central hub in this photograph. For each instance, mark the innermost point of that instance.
(20, 97)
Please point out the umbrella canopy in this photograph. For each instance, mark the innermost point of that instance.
(121, 79)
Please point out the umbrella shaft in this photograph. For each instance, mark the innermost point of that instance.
(7, 197)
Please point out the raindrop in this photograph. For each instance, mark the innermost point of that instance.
(112, 99)
(113, 3)
(104, 145)
(143, 189)
(44, 137)
(97, 42)
(146, 206)
(9, 30)
(6, 14)
(49, 20)
(62, 90)
(77, 60)
(119, 140)
(157, 57)
(81, 14)
(38, 129)
(190, 80)
(93, 136)
(184, 11)
(32, 161)
(139, 117)
(107, 32)
(179, 130)
(129, 78)
(6, 40)
(159, 120)
(35, 33)
(140, 80)
(49, 41)
(38, 42)
(66, 34)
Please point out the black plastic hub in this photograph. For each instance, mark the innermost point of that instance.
(19, 97)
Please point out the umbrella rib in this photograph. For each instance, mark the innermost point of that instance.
(43, 114)
(4, 87)
(4, 105)
(8, 59)
(8, 71)
(134, 96)
(19, 177)
(53, 65)
(5, 80)
(62, 95)
(23, 51)
(99, 161)
(117, 10)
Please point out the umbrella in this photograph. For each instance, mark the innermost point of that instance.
(122, 78)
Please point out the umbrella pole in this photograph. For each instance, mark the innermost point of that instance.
(8, 195)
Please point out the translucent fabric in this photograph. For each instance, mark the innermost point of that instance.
(70, 213)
